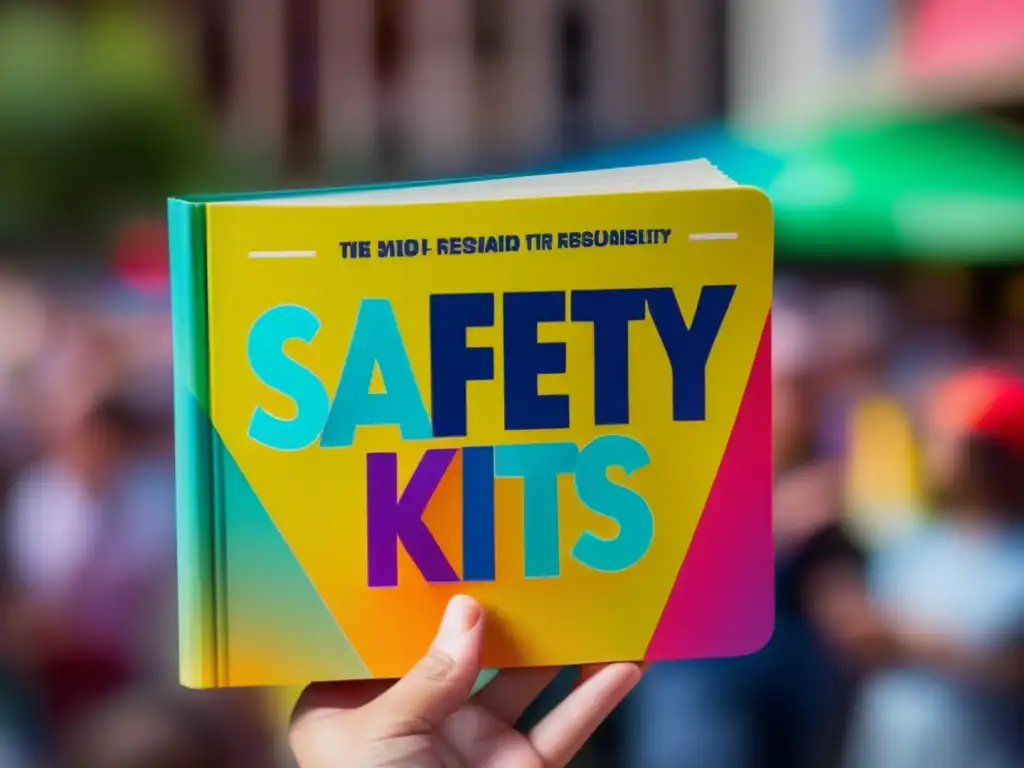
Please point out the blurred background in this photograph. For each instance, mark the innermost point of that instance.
(887, 133)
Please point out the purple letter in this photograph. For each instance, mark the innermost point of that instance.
(389, 521)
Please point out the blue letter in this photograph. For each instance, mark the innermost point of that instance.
(624, 505)
(539, 464)
(452, 363)
(278, 371)
(526, 359)
(688, 349)
(478, 514)
(376, 340)
(610, 311)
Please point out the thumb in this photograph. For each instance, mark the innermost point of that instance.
(442, 680)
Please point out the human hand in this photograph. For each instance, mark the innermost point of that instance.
(429, 720)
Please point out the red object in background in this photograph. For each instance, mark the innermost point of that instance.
(983, 401)
(76, 680)
(956, 37)
(141, 256)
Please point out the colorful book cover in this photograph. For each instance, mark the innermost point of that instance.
(549, 393)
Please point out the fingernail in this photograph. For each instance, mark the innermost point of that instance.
(461, 615)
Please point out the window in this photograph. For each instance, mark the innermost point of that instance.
(488, 29)
(302, 65)
(388, 39)
(213, 41)
(574, 43)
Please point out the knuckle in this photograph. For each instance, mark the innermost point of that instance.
(437, 666)
(408, 726)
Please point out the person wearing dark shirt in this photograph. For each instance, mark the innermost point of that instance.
(942, 625)
(778, 707)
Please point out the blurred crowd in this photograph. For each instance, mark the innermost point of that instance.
(88, 648)
(899, 517)
(898, 405)
(899, 450)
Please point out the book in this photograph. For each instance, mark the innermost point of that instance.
(549, 392)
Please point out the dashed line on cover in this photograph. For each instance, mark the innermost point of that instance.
(695, 236)
(282, 254)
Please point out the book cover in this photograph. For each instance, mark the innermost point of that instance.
(556, 401)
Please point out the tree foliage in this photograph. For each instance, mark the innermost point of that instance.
(96, 120)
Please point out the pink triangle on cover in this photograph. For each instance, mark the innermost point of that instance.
(722, 602)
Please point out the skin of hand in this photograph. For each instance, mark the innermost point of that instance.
(428, 719)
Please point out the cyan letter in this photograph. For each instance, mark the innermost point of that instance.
(539, 464)
(376, 340)
(624, 505)
(278, 371)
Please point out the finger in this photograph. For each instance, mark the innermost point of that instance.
(337, 697)
(566, 729)
(442, 680)
(509, 694)
(327, 711)
(587, 671)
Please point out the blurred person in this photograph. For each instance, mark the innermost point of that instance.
(23, 734)
(805, 686)
(795, 387)
(79, 364)
(855, 325)
(881, 473)
(779, 706)
(22, 334)
(943, 622)
(23, 731)
(90, 542)
(936, 303)
(430, 718)
(867, 429)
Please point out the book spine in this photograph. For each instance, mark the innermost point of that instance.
(196, 509)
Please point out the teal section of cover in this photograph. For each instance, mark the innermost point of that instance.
(277, 626)
(197, 623)
(484, 678)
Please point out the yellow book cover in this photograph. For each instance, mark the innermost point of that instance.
(550, 392)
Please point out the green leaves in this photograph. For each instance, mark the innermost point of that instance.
(96, 120)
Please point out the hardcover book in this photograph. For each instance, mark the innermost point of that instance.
(549, 392)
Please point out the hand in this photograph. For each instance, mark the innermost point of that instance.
(429, 720)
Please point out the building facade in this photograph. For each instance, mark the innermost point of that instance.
(437, 86)
(797, 61)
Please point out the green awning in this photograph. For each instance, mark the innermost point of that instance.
(942, 189)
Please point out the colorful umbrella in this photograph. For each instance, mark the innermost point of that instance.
(948, 189)
(929, 189)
